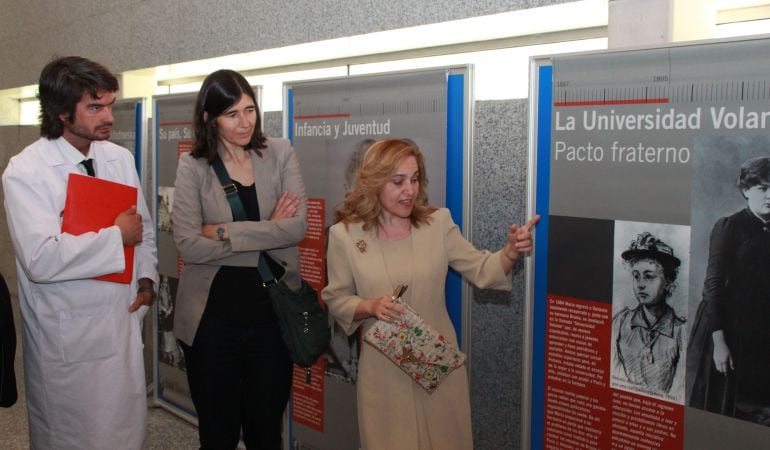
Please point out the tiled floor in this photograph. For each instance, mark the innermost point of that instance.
(164, 430)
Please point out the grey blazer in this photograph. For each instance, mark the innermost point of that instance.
(199, 200)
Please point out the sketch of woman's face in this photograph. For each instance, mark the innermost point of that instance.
(649, 282)
(758, 197)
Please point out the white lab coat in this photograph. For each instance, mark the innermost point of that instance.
(83, 361)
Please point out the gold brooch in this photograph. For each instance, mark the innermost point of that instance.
(361, 245)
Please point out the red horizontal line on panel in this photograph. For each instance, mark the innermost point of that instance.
(635, 101)
(172, 124)
(321, 116)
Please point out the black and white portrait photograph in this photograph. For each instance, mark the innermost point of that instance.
(342, 355)
(165, 206)
(649, 309)
(169, 351)
(728, 366)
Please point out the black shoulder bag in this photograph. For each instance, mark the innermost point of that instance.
(304, 323)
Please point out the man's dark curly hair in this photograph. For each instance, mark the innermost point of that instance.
(62, 84)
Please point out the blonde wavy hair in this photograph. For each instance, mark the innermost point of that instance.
(378, 165)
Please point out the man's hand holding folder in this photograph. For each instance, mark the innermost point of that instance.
(130, 224)
(95, 203)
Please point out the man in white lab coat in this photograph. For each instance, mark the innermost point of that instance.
(83, 362)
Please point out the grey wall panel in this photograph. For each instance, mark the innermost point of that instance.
(136, 34)
(29, 17)
(499, 199)
(272, 124)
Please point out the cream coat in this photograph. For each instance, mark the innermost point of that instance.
(199, 199)
(393, 411)
(83, 361)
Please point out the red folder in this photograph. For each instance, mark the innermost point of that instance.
(93, 204)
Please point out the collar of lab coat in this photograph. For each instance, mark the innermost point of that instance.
(70, 157)
(70, 153)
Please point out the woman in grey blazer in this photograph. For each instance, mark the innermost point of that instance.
(237, 365)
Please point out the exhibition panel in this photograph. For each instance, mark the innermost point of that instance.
(650, 281)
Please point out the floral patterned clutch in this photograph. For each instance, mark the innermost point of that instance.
(415, 347)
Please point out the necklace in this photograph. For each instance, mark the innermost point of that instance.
(405, 267)
(396, 235)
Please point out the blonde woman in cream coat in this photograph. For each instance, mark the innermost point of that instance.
(387, 235)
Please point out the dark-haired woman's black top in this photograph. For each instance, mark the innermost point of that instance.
(237, 293)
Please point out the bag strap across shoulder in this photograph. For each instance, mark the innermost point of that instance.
(239, 214)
